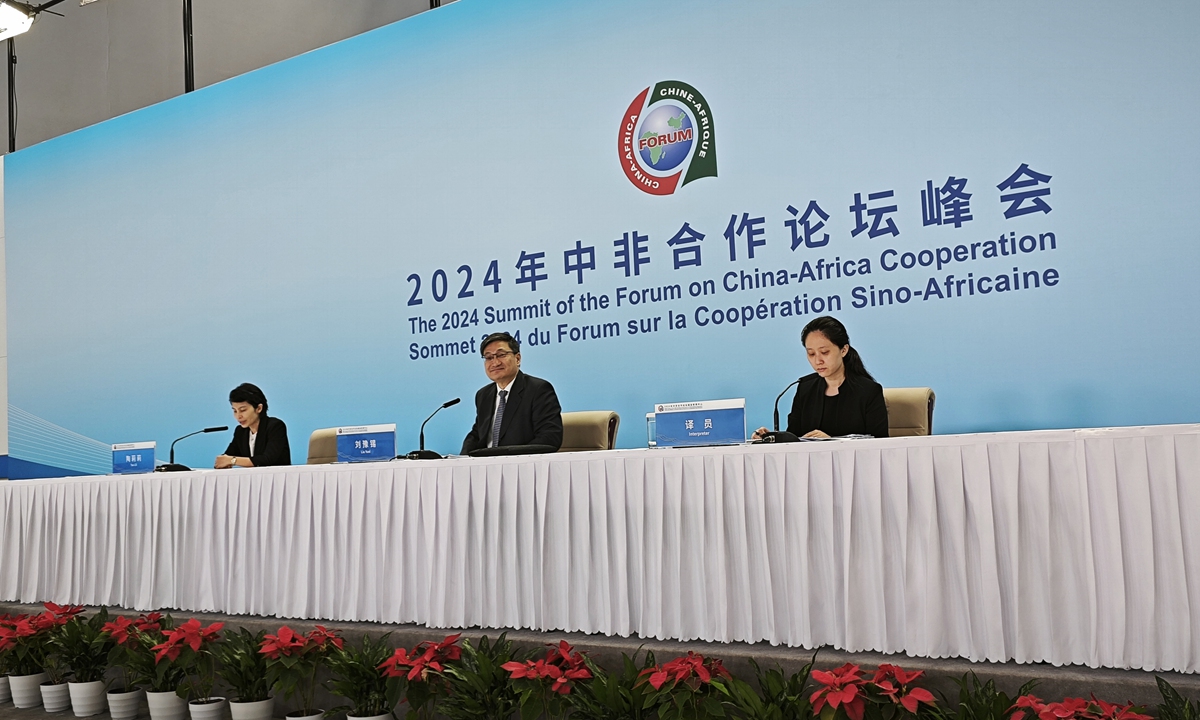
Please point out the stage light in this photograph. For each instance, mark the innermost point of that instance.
(15, 18)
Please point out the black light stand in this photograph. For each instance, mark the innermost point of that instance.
(12, 96)
(12, 75)
(189, 57)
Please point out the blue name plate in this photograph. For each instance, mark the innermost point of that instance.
(133, 458)
(708, 422)
(366, 443)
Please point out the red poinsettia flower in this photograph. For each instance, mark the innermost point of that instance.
(66, 612)
(1030, 703)
(840, 687)
(425, 657)
(562, 666)
(193, 635)
(1109, 711)
(190, 634)
(45, 621)
(148, 623)
(896, 673)
(447, 650)
(287, 643)
(120, 630)
(8, 637)
(893, 682)
(1068, 708)
(399, 664)
(169, 648)
(321, 637)
(692, 669)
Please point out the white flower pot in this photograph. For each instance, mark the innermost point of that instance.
(166, 706)
(5, 693)
(386, 716)
(26, 689)
(125, 705)
(258, 710)
(211, 709)
(87, 698)
(300, 715)
(56, 698)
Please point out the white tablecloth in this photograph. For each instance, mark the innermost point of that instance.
(1071, 546)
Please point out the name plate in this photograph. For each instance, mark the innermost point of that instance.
(135, 457)
(366, 443)
(707, 422)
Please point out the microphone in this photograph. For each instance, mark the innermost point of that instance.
(789, 387)
(424, 454)
(175, 467)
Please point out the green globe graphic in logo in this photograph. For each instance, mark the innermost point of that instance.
(665, 137)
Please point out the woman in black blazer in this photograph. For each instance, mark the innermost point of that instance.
(258, 440)
(841, 397)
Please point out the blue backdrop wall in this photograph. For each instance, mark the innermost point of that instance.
(995, 199)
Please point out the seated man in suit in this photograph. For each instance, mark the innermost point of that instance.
(515, 408)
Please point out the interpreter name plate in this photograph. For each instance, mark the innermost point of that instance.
(136, 457)
(705, 422)
(366, 443)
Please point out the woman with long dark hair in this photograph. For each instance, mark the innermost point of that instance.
(840, 397)
(258, 440)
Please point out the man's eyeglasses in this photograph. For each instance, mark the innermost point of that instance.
(496, 356)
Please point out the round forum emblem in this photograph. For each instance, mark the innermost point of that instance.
(667, 138)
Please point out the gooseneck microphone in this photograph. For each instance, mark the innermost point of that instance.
(175, 467)
(423, 454)
(789, 387)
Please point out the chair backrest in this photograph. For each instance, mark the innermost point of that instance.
(589, 430)
(322, 446)
(910, 411)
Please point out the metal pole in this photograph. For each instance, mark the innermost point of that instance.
(189, 69)
(12, 96)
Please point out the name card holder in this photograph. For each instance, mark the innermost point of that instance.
(706, 422)
(366, 443)
(137, 457)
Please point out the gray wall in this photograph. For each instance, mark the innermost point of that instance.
(116, 56)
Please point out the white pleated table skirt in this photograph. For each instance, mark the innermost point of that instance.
(1065, 546)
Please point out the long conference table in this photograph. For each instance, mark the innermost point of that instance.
(1066, 546)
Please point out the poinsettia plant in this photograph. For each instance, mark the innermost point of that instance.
(1031, 707)
(544, 683)
(416, 676)
(690, 686)
(190, 646)
(293, 660)
(5, 644)
(131, 654)
(25, 640)
(846, 694)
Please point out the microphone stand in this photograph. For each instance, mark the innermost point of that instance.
(423, 454)
(789, 387)
(172, 466)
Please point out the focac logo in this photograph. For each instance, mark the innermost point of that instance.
(667, 138)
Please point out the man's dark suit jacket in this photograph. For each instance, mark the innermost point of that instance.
(270, 447)
(857, 409)
(532, 415)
